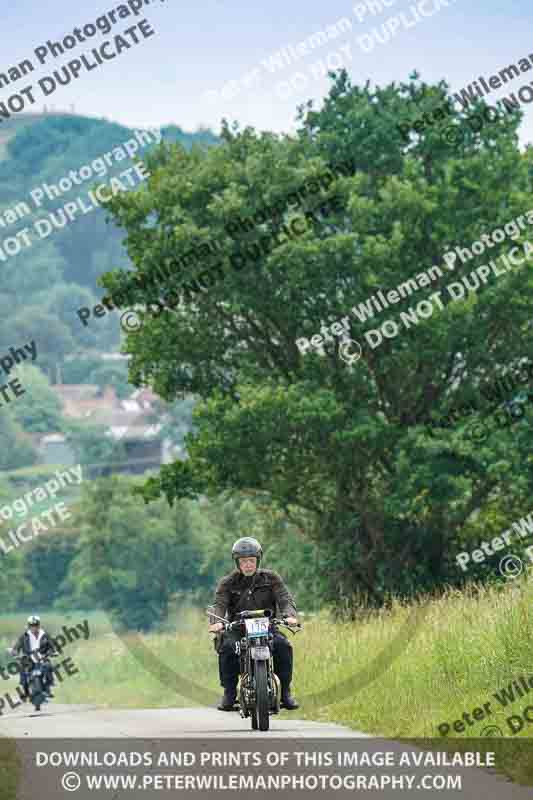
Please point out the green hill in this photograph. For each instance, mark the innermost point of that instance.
(43, 285)
(10, 128)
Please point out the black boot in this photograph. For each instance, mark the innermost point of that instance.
(228, 700)
(287, 701)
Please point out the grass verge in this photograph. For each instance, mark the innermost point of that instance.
(468, 648)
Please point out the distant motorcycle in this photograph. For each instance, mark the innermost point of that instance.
(31, 667)
(259, 686)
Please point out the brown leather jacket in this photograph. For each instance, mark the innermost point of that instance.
(236, 592)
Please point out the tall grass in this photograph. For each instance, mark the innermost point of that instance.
(464, 647)
(10, 769)
(468, 646)
(12, 625)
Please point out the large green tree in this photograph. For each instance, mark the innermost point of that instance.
(343, 447)
(39, 409)
(95, 449)
(15, 589)
(53, 339)
(132, 559)
(15, 450)
(46, 564)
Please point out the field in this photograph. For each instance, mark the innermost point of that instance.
(463, 648)
(446, 657)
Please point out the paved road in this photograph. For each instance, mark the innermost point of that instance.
(68, 721)
(85, 729)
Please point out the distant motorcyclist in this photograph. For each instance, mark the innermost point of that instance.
(35, 639)
(245, 589)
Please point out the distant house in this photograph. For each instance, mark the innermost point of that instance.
(54, 449)
(136, 422)
(80, 401)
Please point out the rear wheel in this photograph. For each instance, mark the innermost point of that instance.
(276, 693)
(261, 695)
(36, 693)
(253, 713)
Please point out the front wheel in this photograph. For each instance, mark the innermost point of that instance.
(36, 693)
(261, 695)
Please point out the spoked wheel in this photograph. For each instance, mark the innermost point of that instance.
(261, 695)
(36, 693)
(253, 713)
(276, 694)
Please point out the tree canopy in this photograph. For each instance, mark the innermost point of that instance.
(38, 410)
(344, 448)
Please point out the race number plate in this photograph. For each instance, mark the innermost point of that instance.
(37, 672)
(260, 653)
(257, 627)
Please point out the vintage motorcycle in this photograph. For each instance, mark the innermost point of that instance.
(32, 666)
(259, 686)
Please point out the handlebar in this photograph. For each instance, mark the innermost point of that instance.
(291, 628)
(229, 626)
(32, 655)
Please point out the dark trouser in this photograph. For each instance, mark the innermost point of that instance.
(48, 677)
(228, 660)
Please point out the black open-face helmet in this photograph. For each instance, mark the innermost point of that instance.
(246, 547)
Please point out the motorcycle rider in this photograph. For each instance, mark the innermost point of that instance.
(245, 589)
(34, 639)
